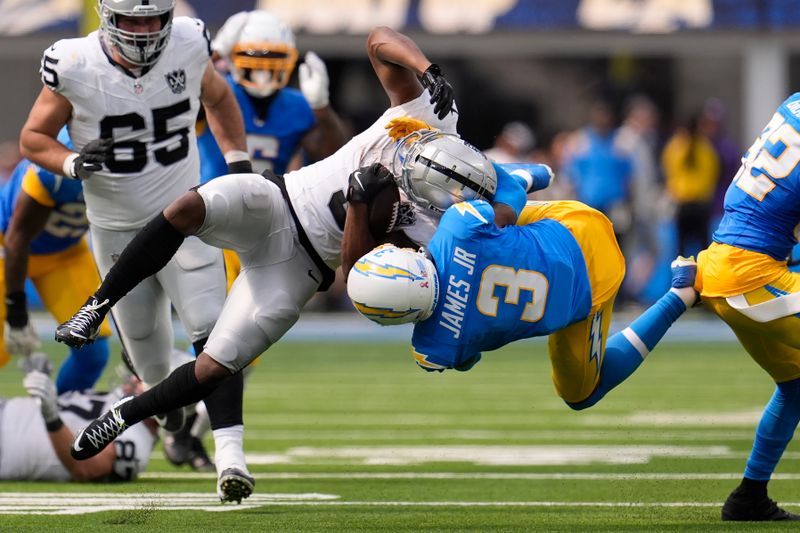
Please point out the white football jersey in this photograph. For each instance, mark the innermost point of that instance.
(150, 118)
(27, 454)
(318, 191)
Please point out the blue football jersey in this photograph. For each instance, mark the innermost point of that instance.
(761, 204)
(498, 285)
(67, 223)
(271, 143)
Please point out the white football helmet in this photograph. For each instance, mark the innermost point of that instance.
(438, 169)
(140, 49)
(392, 285)
(264, 55)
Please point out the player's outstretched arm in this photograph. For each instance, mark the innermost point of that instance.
(225, 120)
(37, 140)
(400, 66)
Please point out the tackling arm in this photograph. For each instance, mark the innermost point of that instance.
(38, 141)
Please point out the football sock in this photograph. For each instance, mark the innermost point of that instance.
(229, 448)
(224, 405)
(83, 367)
(148, 252)
(626, 350)
(179, 389)
(775, 430)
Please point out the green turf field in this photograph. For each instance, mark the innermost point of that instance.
(353, 437)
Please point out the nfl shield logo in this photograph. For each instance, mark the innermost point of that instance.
(176, 80)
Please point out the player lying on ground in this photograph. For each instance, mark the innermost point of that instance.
(481, 286)
(36, 432)
(743, 277)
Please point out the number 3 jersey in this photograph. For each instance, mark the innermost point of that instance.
(27, 454)
(151, 119)
(498, 285)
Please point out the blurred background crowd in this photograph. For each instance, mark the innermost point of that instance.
(642, 108)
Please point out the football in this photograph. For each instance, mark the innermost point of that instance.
(383, 211)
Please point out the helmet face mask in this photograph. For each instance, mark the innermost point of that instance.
(437, 170)
(141, 49)
(265, 55)
(392, 285)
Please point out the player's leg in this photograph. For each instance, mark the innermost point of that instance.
(147, 253)
(625, 351)
(775, 346)
(195, 282)
(63, 280)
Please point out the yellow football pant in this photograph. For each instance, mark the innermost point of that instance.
(63, 280)
(576, 352)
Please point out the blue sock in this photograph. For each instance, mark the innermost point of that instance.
(774, 431)
(626, 350)
(83, 367)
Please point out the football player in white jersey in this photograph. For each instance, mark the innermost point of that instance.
(287, 230)
(36, 433)
(129, 94)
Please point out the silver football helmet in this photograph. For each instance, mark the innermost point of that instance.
(438, 169)
(140, 49)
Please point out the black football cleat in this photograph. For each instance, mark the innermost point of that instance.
(234, 485)
(743, 507)
(84, 325)
(101, 432)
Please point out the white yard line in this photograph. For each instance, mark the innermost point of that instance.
(552, 476)
(73, 503)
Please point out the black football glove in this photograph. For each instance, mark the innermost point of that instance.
(442, 94)
(366, 182)
(92, 157)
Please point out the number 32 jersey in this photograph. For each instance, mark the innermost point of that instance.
(761, 205)
(498, 285)
(151, 119)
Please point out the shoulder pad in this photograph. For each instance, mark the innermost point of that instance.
(191, 32)
(61, 58)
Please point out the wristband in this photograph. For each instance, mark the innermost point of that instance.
(17, 309)
(235, 156)
(68, 167)
(54, 425)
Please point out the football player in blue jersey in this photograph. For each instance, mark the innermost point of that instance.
(481, 286)
(743, 277)
(43, 223)
(261, 55)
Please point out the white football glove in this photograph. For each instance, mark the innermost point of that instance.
(228, 35)
(40, 386)
(22, 341)
(314, 81)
